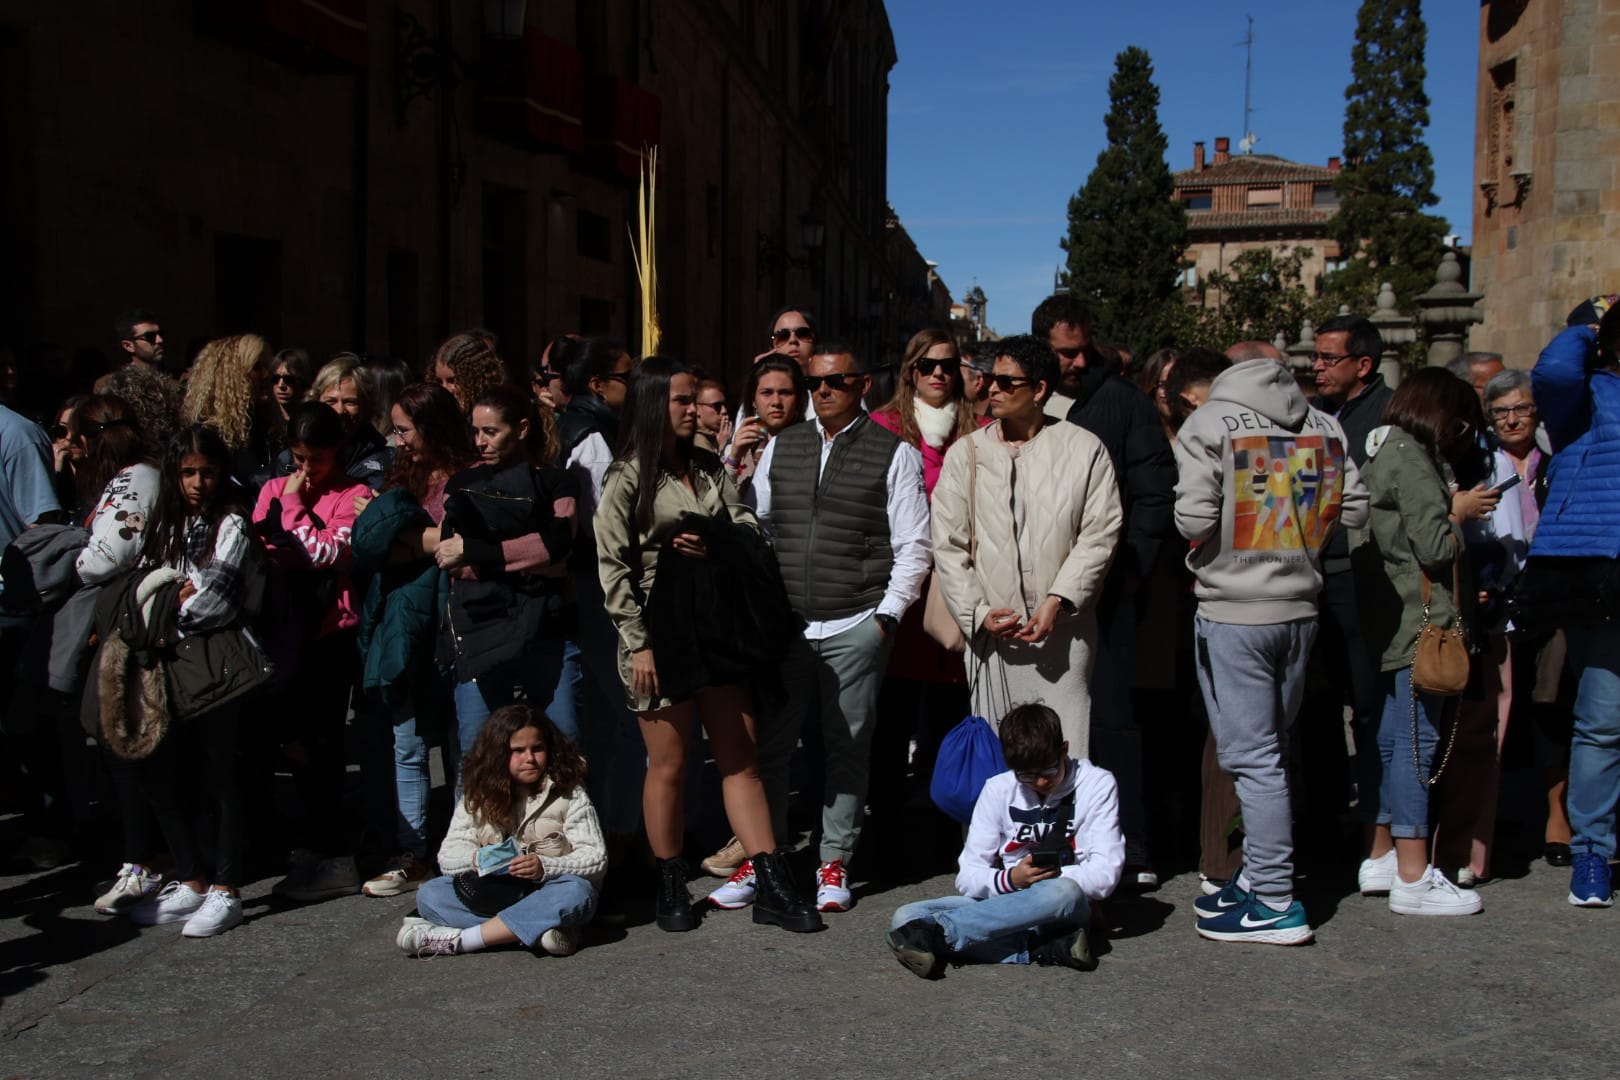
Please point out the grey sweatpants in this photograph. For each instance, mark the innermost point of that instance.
(1253, 678)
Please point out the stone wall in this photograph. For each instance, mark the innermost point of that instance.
(1546, 167)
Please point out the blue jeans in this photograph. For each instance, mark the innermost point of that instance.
(565, 900)
(1388, 789)
(1594, 752)
(537, 672)
(391, 733)
(997, 930)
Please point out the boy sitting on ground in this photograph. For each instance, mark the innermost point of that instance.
(1044, 843)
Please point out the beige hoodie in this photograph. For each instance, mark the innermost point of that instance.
(1264, 481)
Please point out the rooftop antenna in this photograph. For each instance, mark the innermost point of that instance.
(1246, 144)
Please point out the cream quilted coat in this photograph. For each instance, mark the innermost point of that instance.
(1071, 511)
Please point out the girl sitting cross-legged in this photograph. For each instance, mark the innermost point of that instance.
(522, 791)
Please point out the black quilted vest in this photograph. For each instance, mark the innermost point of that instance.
(832, 536)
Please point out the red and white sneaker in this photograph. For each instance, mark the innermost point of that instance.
(738, 890)
(832, 887)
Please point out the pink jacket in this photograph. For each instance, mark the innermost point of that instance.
(323, 528)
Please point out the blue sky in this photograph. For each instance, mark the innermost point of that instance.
(996, 113)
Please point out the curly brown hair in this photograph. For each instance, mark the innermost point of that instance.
(486, 783)
(476, 362)
(153, 395)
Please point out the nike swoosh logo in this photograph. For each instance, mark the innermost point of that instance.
(1251, 924)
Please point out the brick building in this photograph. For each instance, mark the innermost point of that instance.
(1236, 204)
(368, 175)
(1547, 166)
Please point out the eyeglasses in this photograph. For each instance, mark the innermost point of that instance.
(57, 432)
(290, 380)
(616, 376)
(839, 381)
(717, 406)
(1050, 773)
(797, 333)
(151, 337)
(545, 375)
(1007, 383)
(1071, 352)
(929, 364)
(1522, 412)
(1327, 360)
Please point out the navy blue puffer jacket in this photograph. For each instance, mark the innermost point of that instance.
(1579, 402)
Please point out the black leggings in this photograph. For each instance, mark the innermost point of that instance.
(198, 754)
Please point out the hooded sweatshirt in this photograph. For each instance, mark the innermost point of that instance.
(1264, 481)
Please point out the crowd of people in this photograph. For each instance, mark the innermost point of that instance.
(583, 579)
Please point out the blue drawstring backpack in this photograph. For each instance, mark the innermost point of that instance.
(969, 755)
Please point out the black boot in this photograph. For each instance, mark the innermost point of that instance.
(777, 899)
(674, 908)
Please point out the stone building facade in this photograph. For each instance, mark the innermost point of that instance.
(1547, 167)
(1237, 204)
(353, 174)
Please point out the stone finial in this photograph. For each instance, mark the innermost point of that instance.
(1447, 310)
(1280, 342)
(1386, 298)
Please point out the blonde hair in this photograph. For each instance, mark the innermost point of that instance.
(219, 392)
(905, 390)
(346, 365)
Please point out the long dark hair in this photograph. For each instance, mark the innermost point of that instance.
(113, 441)
(543, 445)
(486, 783)
(1443, 414)
(646, 414)
(446, 438)
(165, 541)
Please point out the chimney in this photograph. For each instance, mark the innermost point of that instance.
(1223, 150)
(1198, 157)
(1333, 164)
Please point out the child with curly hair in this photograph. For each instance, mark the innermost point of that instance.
(522, 789)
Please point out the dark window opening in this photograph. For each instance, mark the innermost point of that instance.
(593, 237)
(1199, 201)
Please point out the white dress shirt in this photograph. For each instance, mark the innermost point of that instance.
(909, 535)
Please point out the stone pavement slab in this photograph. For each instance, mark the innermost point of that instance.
(1525, 989)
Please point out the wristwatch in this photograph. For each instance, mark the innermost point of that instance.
(889, 623)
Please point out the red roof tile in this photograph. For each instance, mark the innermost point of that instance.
(1251, 169)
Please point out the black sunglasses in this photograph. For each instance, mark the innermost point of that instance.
(57, 431)
(290, 380)
(838, 381)
(150, 337)
(928, 364)
(800, 333)
(1005, 383)
(545, 375)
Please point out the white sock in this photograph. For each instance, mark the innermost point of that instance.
(1243, 883)
(472, 939)
(1279, 906)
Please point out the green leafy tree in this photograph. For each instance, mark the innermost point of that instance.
(1388, 176)
(1261, 293)
(1127, 233)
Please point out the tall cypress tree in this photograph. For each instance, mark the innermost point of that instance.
(1127, 233)
(1388, 176)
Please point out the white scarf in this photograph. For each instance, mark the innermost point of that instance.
(934, 423)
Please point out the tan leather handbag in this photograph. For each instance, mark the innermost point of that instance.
(1441, 664)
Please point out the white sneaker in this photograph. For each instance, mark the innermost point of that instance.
(422, 939)
(132, 885)
(832, 887)
(561, 940)
(738, 890)
(323, 881)
(404, 873)
(220, 912)
(1431, 894)
(1377, 875)
(176, 903)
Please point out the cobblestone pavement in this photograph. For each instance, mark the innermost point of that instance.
(1526, 989)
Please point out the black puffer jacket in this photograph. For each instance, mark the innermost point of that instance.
(1358, 416)
(517, 526)
(1127, 423)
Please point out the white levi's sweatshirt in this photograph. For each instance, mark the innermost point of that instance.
(1010, 819)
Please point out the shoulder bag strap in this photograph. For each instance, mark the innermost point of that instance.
(973, 489)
